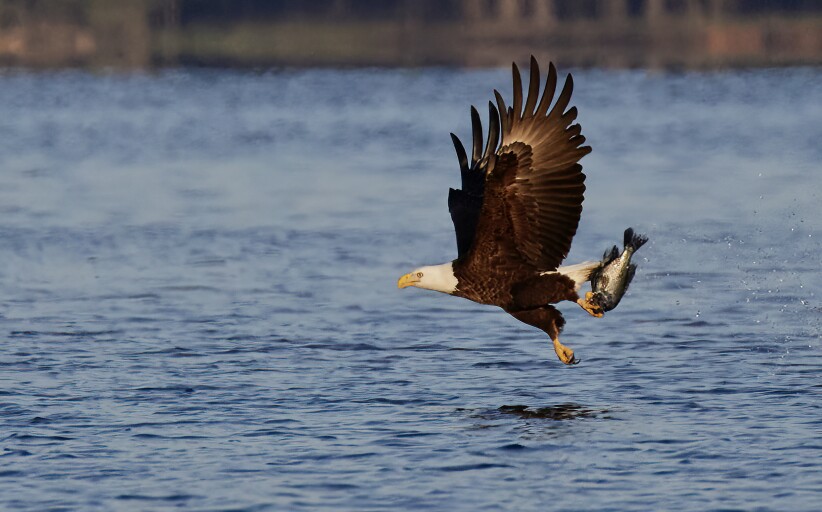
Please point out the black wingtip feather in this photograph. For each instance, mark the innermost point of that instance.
(548, 93)
(461, 154)
(533, 89)
(503, 112)
(476, 129)
(517, 106)
(564, 97)
(493, 131)
(571, 115)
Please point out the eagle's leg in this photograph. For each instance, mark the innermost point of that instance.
(589, 306)
(550, 320)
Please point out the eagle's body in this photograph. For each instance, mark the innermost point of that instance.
(518, 210)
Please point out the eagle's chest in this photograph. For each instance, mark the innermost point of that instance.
(513, 289)
(488, 285)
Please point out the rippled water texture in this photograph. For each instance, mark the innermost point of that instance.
(199, 306)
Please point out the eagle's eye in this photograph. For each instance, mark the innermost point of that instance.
(419, 275)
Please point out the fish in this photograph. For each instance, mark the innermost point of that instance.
(610, 281)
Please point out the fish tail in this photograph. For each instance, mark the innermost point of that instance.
(633, 241)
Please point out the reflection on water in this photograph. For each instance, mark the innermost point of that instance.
(560, 412)
(568, 411)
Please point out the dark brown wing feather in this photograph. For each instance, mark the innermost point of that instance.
(465, 204)
(532, 198)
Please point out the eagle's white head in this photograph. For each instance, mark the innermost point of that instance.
(439, 278)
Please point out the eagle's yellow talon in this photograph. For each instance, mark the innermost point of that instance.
(565, 354)
(588, 306)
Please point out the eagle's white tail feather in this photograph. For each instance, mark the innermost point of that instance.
(579, 272)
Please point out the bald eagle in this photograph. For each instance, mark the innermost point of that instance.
(518, 210)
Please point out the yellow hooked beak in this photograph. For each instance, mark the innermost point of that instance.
(407, 280)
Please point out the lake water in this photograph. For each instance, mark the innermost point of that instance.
(199, 306)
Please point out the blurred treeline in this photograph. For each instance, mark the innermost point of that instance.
(138, 34)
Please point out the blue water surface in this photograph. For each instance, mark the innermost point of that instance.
(198, 302)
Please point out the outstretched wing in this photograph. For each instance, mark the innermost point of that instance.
(534, 185)
(465, 204)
